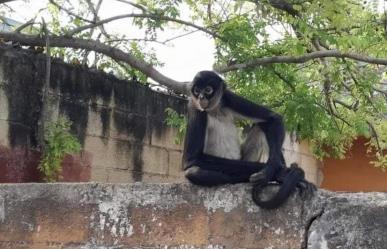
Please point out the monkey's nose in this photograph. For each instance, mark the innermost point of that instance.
(201, 96)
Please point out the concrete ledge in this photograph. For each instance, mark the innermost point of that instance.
(183, 216)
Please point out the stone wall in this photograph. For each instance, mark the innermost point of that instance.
(183, 216)
(120, 124)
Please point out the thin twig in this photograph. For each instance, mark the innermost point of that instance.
(25, 25)
(151, 16)
(375, 135)
(138, 6)
(349, 107)
(69, 12)
(284, 79)
(179, 36)
(333, 114)
(134, 39)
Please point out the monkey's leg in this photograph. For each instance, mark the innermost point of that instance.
(204, 177)
(255, 147)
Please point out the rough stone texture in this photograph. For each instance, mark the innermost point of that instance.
(140, 215)
(356, 220)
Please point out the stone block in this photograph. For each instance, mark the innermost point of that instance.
(76, 167)
(311, 167)
(3, 105)
(99, 174)
(291, 156)
(129, 126)
(155, 160)
(175, 167)
(156, 178)
(4, 140)
(109, 153)
(304, 148)
(98, 122)
(119, 176)
(164, 136)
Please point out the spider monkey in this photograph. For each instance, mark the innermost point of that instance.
(213, 154)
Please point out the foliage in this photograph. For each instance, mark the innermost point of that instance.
(58, 142)
(61, 23)
(177, 121)
(328, 101)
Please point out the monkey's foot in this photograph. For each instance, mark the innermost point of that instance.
(262, 178)
(306, 188)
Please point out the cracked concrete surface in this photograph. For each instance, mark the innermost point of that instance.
(91, 215)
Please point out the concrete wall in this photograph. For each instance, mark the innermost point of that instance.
(355, 172)
(182, 216)
(119, 123)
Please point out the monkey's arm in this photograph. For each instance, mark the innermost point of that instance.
(194, 137)
(272, 125)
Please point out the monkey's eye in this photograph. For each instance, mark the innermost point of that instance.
(196, 91)
(208, 90)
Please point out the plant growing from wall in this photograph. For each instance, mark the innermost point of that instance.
(177, 121)
(58, 142)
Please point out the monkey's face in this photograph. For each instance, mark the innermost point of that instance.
(207, 90)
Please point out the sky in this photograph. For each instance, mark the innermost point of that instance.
(182, 59)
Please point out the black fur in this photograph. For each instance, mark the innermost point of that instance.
(208, 170)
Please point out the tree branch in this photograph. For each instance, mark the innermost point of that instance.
(352, 107)
(302, 59)
(151, 16)
(285, 6)
(333, 114)
(114, 53)
(375, 135)
(138, 6)
(69, 12)
(292, 87)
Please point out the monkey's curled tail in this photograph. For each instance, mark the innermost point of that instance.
(293, 177)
